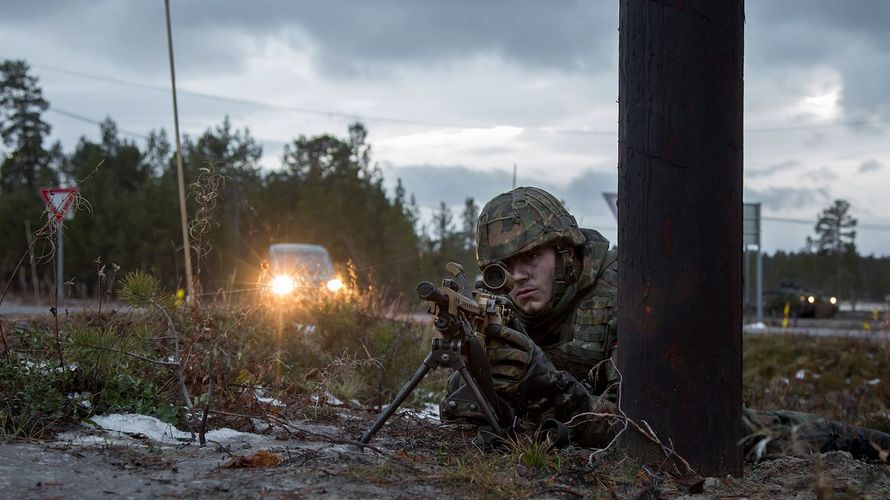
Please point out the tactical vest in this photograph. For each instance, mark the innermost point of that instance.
(588, 337)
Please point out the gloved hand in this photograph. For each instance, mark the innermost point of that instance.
(524, 375)
(510, 353)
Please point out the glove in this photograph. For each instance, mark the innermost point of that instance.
(524, 375)
(509, 353)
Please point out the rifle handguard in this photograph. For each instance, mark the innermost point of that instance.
(448, 299)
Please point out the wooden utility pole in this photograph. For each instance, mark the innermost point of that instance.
(180, 176)
(680, 226)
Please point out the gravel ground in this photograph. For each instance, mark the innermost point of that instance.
(317, 461)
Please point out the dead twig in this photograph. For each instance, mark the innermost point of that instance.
(171, 329)
(202, 431)
(336, 440)
(127, 353)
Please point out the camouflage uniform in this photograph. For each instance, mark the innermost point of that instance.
(566, 370)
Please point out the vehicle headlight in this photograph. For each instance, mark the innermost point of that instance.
(833, 300)
(282, 285)
(811, 299)
(334, 285)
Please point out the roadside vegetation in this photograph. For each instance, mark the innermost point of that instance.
(844, 379)
(179, 362)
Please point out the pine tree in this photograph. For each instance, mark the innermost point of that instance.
(22, 129)
(836, 236)
(468, 217)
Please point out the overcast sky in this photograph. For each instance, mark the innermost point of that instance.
(456, 93)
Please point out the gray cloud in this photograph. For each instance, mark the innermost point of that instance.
(870, 166)
(776, 199)
(453, 184)
(352, 37)
(356, 38)
(821, 174)
(772, 169)
(796, 34)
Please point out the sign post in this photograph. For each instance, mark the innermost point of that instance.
(612, 201)
(58, 203)
(751, 238)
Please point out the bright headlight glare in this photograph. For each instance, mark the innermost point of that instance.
(282, 285)
(334, 285)
(833, 300)
(811, 299)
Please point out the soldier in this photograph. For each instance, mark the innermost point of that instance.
(558, 362)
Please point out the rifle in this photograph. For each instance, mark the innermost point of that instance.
(463, 314)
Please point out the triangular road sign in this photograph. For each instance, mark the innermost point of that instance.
(58, 200)
(612, 201)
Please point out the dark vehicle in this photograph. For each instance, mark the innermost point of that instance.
(799, 302)
(297, 269)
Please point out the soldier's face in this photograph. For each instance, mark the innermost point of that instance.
(533, 272)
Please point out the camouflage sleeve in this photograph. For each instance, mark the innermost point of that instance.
(537, 390)
(770, 434)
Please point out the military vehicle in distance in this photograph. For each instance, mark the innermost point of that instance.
(801, 303)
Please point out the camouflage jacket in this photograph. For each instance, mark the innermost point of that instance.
(573, 376)
(585, 337)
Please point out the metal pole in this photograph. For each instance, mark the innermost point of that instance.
(759, 297)
(60, 263)
(680, 228)
(189, 282)
(747, 266)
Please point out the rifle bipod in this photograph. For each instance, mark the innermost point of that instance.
(444, 353)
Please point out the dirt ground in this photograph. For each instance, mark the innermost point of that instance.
(410, 458)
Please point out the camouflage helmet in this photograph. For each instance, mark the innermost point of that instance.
(521, 220)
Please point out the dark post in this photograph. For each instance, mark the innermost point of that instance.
(680, 226)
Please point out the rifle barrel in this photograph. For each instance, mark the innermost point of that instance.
(429, 291)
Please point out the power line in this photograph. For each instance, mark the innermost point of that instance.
(870, 227)
(355, 116)
(85, 119)
(250, 102)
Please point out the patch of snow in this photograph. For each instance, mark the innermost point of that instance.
(226, 434)
(801, 374)
(259, 393)
(329, 399)
(135, 425)
(261, 425)
(431, 410)
(81, 398)
(272, 401)
(874, 381)
(756, 326)
(46, 366)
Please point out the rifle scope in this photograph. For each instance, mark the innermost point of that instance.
(496, 278)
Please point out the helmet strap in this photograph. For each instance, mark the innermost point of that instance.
(565, 273)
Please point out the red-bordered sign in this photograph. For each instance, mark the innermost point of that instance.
(58, 200)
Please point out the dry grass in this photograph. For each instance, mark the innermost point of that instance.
(843, 379)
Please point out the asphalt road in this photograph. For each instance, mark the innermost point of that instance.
(819, 331)
(19, 309)
(834, 327)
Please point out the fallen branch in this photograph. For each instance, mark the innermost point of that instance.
(285, 424)
(127, 353)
